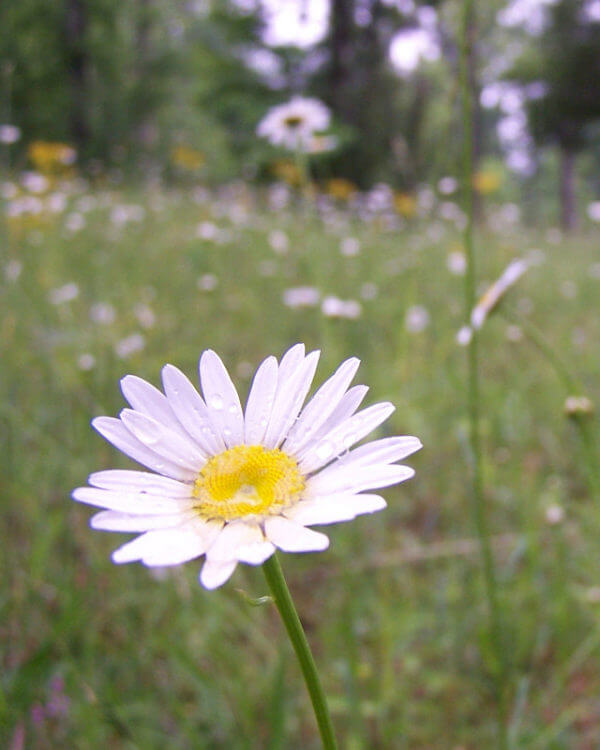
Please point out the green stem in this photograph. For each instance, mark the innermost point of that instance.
(285, 605)
(500, 672)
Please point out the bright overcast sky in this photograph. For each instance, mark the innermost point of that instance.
(304, 23)
(298, 22)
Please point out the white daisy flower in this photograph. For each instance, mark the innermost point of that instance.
(235, 485)
(9, 134)
(293, 125)
(491, 298)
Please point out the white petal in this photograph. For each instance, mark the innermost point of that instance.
(162, 440)
(291, 392)
(110, 520)
(384, 451)
(342, 437)
(348, 404)
(144, 397)
(131, 502)
(260, 401)
(339, 479)
(292, 359)
(215, 574)
(234, 535)
(321, 405)
(116, 433)
(241, 541)
(334, 508)
(255, 553)
(191, 410)
(139, 481)
(289, 365)
(221, 398)
(167, 546)
(291, 537)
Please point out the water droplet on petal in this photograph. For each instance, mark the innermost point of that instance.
(233, 409)
(324, 449)
(348, 440)
(216, 402)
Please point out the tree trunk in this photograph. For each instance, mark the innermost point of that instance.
(341, 53)
(568, 214)
(77, 61)
(147, 131)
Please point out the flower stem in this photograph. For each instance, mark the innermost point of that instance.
(285, 605)
(479, 511)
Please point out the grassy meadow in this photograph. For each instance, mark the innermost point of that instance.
(95, 655)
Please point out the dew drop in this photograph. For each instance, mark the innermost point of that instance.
(324, 449)
(147, 437)
(232, 409)
(216, 402)
(348, 440)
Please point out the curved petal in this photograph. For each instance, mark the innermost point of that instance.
(348, 404)
(384, 451)
(255, 553)
(125, 480)
(110, 520)
(334, 508)
(321, 406)
(145, 398)
(291, 392)
(259, 406)
(221, 398)
(116, 433)
(131, 502)
(214, 574)
(338, 479)
(342, 437)
(191, 411)
(241, 541)
(166, 546)
(291, 537)
(162, 440)
(290, 362)
(235, 534)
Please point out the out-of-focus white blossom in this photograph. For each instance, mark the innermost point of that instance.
(65, 293)
(334, 307)
(416, 319)
(130, 345)
(301, 296)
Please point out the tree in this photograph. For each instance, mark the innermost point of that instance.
(566, 63)
(358, 83)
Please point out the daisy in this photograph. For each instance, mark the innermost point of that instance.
(293, 125)
(235, 485)
(490, 300)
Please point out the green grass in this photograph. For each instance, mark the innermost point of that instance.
(394, 610)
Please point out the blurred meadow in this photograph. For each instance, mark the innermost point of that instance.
(143, 221)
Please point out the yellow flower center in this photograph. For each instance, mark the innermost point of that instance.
(247, 480)
(293, 121)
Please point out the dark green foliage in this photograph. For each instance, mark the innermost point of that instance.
(566, 60)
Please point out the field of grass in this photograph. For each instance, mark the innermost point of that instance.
(95, 655)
